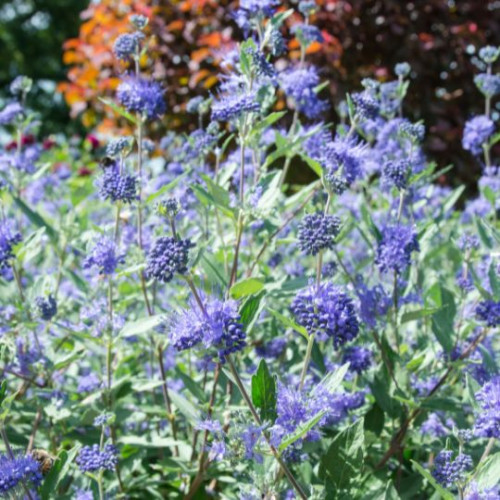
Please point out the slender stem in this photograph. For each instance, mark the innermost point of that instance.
(307, 360)
(166, 398)
(100, 485)
(395, 300)
(256, 417)
(487, 450)
(239, 233)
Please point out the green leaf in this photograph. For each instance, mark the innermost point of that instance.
(374, 420)
(37, 220)
(185, 407)
(343, 461)
(301, 431)
(314, 165)
(420, 313)
(246, 287)
(58, 472)
(168, 187)
(289, 323)
(483, 233)
(264, 392)
(251, 309)
(489, 472)
(140, 326)
(445, 494)
(443, 319)
(267, 122)
(119, 110)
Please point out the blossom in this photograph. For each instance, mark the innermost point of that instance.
(318, 232)
(395, 248)
(489, 312)
(433, 426)
(448, 471)
(477, 131)
(117, 146)
(93, 459)
(343, 159)
(359, 358)
(116, 186)
(397, 173)
(47, 307)
(167, 257)
(488, 418)
(402, 69)
(104, 256)
(143, 96)
(127, 45)
(8, 239)
(229, 107)
(489, 85)
(10, 113)
(474, 493)
(327, 311)
(17, 470)
(299, 84)
(272, 349)
(217, 327)
(295, 407)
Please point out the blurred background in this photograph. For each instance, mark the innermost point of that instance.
(65, 46)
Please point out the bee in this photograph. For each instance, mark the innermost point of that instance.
(45, 459)
(106, 162)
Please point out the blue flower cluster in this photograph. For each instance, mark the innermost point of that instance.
(17, 470)
(116, 186)
(217, 327)
(8, 239)
(47, 307)
(395, 249)
(143, 96)
(488, 418)
(489, 312)
(93, 459)
(167, 257)
(299, 85)
(104, 255)
(318, 232)
(448, 470)
(326, 311)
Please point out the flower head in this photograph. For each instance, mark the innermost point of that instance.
(299, 85)
(318, 232)
(326, 311)
(8, 239)
(104, 256)
(488, 418)
(10, 113)
(448, 471)
(359, 358)
(17, 470)
(477, 131)
(489, 312)
(117, 146)
(395, 248)
(231, 106)
(93, 459)
(127, 45)
(167, 257)
(217, 327)
(139, 95)
(116, 186)
(47, 307)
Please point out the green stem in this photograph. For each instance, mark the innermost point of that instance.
(258, 421)
(307, 360)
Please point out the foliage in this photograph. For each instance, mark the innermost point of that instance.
(191, 325)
